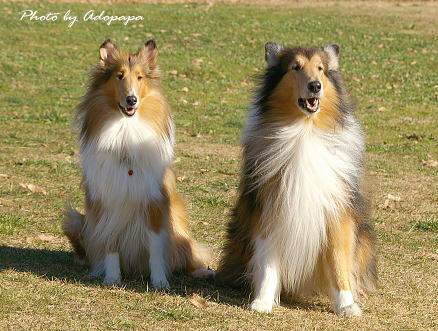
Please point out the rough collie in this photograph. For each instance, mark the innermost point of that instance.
(300, 223)
(134, 222)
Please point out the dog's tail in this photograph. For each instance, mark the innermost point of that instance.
(186, 253)
(72, 227)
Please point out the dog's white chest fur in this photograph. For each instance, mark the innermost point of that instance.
(124, 164)
(315, 170)
(124, 144)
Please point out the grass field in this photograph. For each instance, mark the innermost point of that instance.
(209, 55)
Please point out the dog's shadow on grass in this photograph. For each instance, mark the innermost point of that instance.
(52, 264)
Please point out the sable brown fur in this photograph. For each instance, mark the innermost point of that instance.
(345, 258)
(130, 190)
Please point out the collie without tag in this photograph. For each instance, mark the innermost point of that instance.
(300, 224)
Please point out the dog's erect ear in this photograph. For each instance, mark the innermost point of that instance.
(106, 50)
(332, 51)
(150, 52)
(272, 50)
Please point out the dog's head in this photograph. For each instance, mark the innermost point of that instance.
(304, 72)
(128, 77)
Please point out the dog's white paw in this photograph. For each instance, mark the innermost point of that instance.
(95, 273)
(203, 273)
(109, 281)
(80, 260)
(261, 306)
(160, 283)
(352, 310)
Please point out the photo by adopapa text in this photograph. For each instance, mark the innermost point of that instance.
(71, 18)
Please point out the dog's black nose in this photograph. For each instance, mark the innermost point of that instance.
(314, 86)
(131, 100)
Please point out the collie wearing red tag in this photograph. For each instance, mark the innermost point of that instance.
(134, 222)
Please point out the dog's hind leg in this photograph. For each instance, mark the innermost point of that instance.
(339, 266)
(265, 277)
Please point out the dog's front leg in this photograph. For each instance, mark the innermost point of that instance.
(112, 269)
(158, 259)
(265, 277)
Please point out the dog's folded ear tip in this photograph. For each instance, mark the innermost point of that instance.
(334, 47)
(271, 44)
(151, 43)
(272, 50)
(106, 42)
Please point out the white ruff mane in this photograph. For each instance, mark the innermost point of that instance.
(317, 171)
(125, 144)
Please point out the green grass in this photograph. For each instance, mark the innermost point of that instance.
(389, 60)
(11, 224)
(431, 226)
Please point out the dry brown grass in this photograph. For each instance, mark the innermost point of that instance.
(41, 287)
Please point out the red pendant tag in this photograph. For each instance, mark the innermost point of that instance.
(130, 172)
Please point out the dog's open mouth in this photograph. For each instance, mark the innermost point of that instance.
(310, 105)
(127, 111)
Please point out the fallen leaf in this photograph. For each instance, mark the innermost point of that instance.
(180, 178)
(196, 103)
(430, 163)
(198, 301)
(6, 203)
(203, 171)
(30, 240)
(413, 136)
(46, 237)
(393, 197)
(33, 188)
(185, 89)
(389, 201)
(432, 256)
(173, 72)
(4, 176)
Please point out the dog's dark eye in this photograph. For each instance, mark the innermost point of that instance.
(296, 67)
(320, 68)
(120, 76)
(139, 77)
